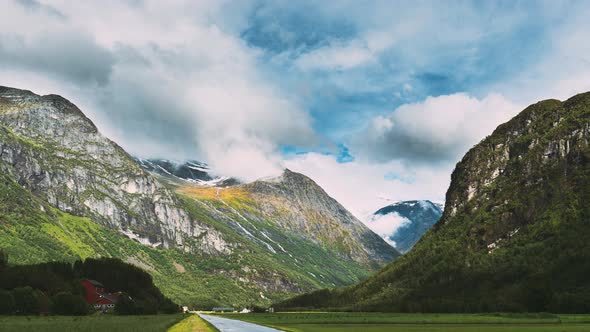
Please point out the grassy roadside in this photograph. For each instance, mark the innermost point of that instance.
(94, 323)
(377, 322)
(193, 323)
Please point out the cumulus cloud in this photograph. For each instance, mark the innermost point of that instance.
(434, 130)
(163, 79)
(407, 154)
(363, 187)
(387, 225)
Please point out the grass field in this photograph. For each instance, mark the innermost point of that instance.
(102, 323)
(193, 323)
(378, 322)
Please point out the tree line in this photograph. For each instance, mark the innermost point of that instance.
(55, 288)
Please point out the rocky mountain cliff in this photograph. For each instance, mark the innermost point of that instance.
(515, 232)
(68, 192)
(54, 151)
(417, 217)
(313, 214)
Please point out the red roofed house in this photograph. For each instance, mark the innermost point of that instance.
(98, 297)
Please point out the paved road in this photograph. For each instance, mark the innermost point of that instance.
(233, 325)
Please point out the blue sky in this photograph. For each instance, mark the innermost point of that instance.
(375, 100)
(499, 40)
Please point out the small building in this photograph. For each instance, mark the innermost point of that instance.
(223, 309)
(96, 296)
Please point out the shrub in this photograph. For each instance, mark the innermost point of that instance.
(25, 301)
(126, 306)
(6, 302)
(65, 303)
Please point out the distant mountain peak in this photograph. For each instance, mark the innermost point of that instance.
(191, 171)
(405, 221)
(401, 205)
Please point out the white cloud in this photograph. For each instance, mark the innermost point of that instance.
(181, 83)
(387, 225)
(364, 187)
(338, 55)
(436, 129)
(343, 55)
(417, 147)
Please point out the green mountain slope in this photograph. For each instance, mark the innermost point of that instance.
(288, 210)
(67, 192)
(515, 233)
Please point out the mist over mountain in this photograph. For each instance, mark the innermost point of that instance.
(190, 171)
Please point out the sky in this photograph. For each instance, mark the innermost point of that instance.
(374, 100)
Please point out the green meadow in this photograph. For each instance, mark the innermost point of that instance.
(98, 323)
(377, 322)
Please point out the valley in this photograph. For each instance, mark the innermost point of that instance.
(295, 166)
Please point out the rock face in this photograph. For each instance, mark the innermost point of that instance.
(515, 232)
(56, 152)
(298, 204)
(417, 217)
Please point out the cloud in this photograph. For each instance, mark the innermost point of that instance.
(67, 55)
(162, 79)
(386, 225)
(363, 187)
(407, 154)
(438, 129)
(37, 6)
(337, 56)
(232, 83)
(349, 54)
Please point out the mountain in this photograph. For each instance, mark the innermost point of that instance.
(515, 232)
(50, 148)
(299, 205)
(190, 171)
(413, 217)
(67, 192)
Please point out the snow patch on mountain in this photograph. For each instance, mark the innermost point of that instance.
(191, 171)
